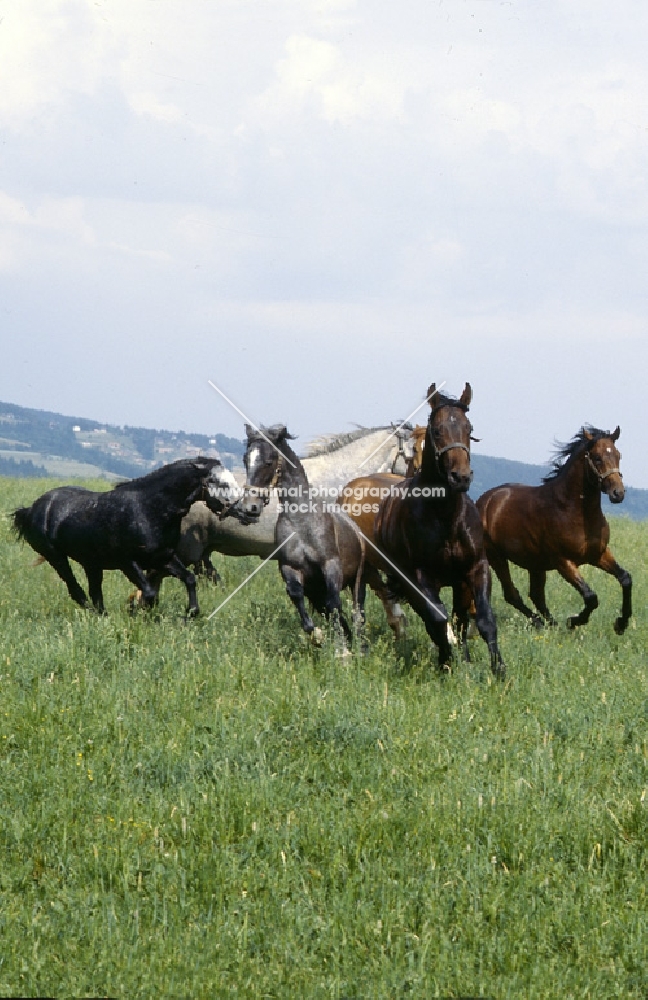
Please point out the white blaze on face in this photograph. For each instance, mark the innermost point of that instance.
(222, 484)
(253, 460)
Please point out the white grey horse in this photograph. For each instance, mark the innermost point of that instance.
(331, 461)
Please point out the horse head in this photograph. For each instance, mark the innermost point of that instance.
(417, 441)
(222, 493)
(448, 437)
(602, 458)
(264, 460)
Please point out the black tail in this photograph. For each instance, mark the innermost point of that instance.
(21, 521)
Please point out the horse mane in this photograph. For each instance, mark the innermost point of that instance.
(157, 477)
(328, 443)
(440, 399)
(566, 453)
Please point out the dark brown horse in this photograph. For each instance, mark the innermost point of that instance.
(428, 533)
(559, 525)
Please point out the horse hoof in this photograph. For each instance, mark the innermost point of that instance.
(343, 654)
(537, 621)
(572, 623)
(317, 636)
(620, 626)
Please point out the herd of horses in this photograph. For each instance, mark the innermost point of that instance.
(425, 534)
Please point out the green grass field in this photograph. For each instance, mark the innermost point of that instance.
(217, 809)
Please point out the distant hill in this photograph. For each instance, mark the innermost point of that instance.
(38, 443)
(41, 443)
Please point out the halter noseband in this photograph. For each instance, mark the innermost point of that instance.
(601, 476)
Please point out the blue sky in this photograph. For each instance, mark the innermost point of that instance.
(323, 207)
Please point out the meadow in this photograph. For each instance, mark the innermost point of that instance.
(215, 808)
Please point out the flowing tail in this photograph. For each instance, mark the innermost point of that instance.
(21, 521)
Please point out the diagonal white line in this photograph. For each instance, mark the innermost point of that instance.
(406, 578)
(248, 578)
(396, 429)
(251, 422)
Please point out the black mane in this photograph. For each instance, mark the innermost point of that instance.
(440, 399)
(157, 477)
(566, 453)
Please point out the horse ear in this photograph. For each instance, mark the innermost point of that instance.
(615, 436)
(279, 432)
(249, 430)
(431, 393)
(587, 435)
(466, 396)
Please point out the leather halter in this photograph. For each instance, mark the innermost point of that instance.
(228, 506)
(438, 452)
(601, 477)
(273, 482)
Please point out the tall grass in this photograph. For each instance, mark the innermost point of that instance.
(216, 808)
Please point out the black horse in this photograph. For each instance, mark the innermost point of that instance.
(434, 537)
(133, 528)
(321, 552)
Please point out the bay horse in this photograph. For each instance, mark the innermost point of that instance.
(321, 552)
(559, 525)
(428, 534)
(134, 527)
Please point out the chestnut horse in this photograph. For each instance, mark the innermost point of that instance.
(559, 525)
(427, 533)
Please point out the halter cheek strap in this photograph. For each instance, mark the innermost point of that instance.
(273, 482)
(604, 476)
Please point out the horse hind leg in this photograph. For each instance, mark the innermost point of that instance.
(537, 582)
(512, 596)
(95, 580)
(62, 566)
(608, 563)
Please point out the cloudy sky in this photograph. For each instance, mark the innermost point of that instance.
(323, 206)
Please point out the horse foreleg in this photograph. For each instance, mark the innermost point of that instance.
(176, 568)
(462, 602)
(294, 580)
(395, 615)
(333, 604)
(608, 563)
(570, 572)
(137, 576)
(511, 594)
(62, 566)
(537, 581)
(484, 617)
(95, 579)
(209, 569)
(428, 604)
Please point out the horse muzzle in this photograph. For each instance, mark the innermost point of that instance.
(460, 481)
